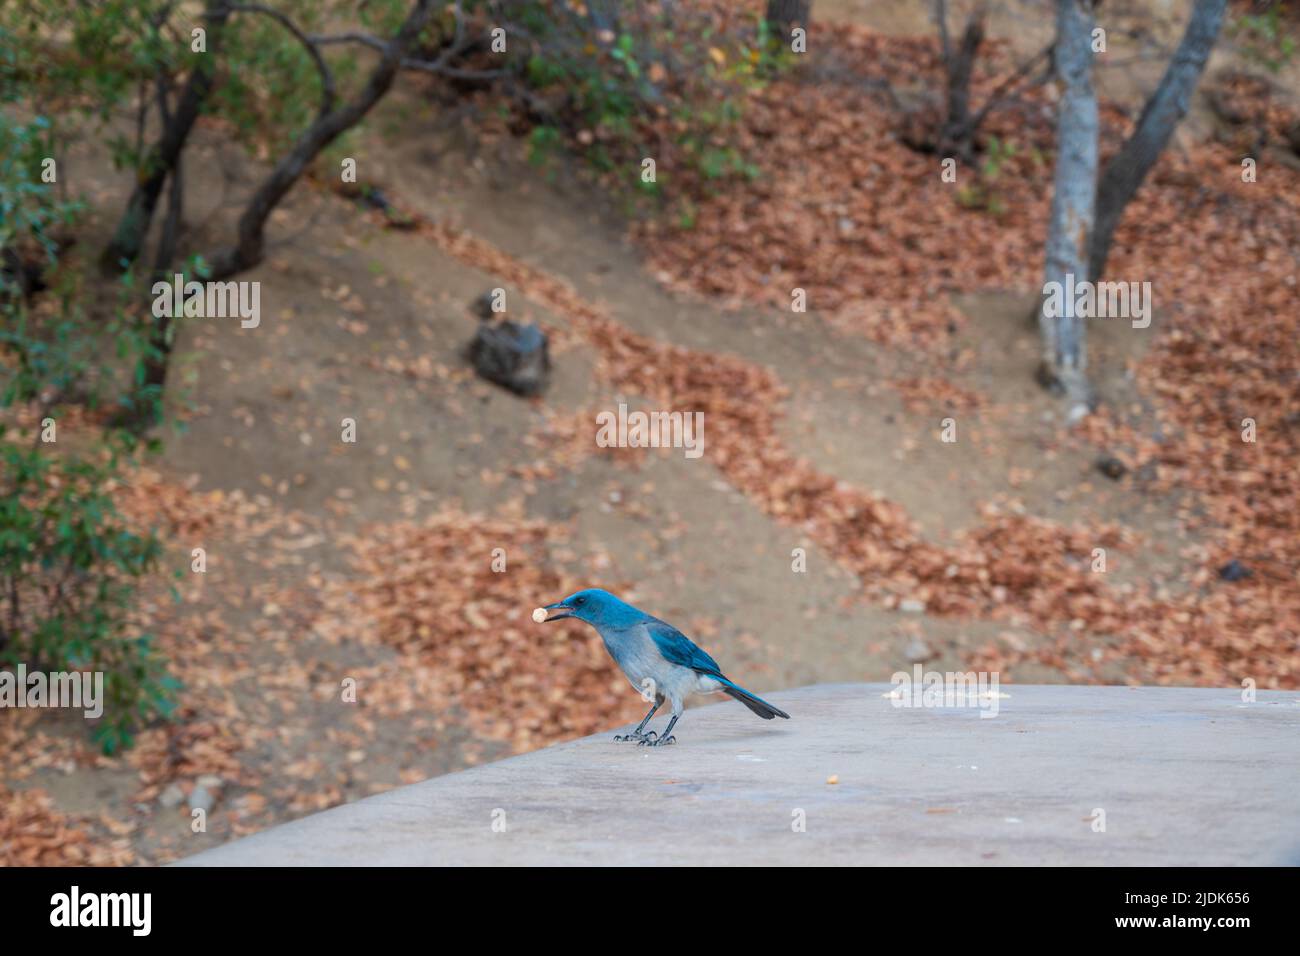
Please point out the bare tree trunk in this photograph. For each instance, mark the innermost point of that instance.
(1162, 112)
(248, 247)
(133, 227)
(958, 131)
(784, 15)
(158, 355)
(1070, 226)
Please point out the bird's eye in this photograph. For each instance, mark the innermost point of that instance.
(580, 601)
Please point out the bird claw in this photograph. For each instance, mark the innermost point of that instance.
(658, 743)
(634, 736)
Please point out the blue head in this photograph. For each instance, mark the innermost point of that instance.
(598, 608)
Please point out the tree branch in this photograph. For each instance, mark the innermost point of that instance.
(312, 48)
(440, 66)
(1003, 89)
(1166, 107)
(134, 225)
(248, 248)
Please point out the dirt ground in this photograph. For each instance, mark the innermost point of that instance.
(369, 323)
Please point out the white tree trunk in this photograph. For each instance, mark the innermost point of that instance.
(1070, 228)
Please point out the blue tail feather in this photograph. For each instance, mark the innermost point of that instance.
(755, 703)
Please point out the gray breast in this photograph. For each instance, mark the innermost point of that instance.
(635, 651)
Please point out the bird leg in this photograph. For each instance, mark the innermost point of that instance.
(667, 738)
(638, 734)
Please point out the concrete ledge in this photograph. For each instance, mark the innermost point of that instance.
(1185, 776)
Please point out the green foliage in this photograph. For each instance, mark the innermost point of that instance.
(983, 194)
(1264, 38)
(667, 85)
(102, 57)
(69, 566)
(543, 143)
(68, 571)
(270, 89)
(26, 214)
(107, 58)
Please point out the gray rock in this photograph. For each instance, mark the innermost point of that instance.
(171, 797)
(201, 798)
(512, 355)
(917, 651)
(1234, 570)
(1112, 468)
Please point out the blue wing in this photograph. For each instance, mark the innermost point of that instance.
(680, 649)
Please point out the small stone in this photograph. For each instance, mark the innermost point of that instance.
(833, 779)
(1112, 468)
(1234, 570)
(171, 797)
(201, 799)
(211, 781)
(539, 614)
(917, 652)
(911, 606)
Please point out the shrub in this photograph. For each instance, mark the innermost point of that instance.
(69, 565)
(661, 82)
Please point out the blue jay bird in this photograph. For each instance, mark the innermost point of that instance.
(656, 657)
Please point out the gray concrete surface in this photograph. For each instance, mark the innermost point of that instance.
(1183, 776)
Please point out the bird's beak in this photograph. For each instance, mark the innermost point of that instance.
(555, 612)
